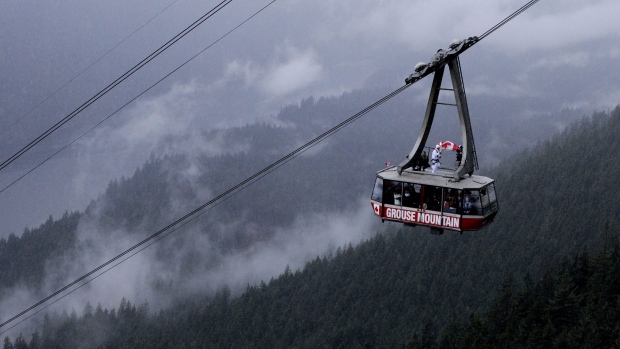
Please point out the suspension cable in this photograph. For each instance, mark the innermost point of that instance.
(235, 189)
(85, 69)
(116, 82)
(508, 19)
(136, 97)
(240, 186)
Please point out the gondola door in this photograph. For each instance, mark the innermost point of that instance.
(430, 213)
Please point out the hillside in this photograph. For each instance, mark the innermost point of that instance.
(334, 303)
(22, 259)
(385, 290)
(574, 305)
(331, 178)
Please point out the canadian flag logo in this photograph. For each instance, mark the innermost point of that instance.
(377, 209)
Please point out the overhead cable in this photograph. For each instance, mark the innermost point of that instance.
(136, 97)
(508, 19)
(85, 69)
(240, 186)
(218, 199)
(101, 273)
(116, 82)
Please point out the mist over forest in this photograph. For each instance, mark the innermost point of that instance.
(286, 219)
(297, 259)
(327, 49)
(336, 249)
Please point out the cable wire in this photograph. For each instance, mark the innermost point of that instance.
(508, 19)
(233, 190)
(85, 69)
(136, 97)
(98, 275)
(116, 82)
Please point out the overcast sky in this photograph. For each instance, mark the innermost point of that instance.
(563, 52)
(558, 54)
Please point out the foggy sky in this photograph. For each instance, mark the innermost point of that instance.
(561, 54)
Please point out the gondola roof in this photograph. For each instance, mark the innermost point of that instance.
(442, 178)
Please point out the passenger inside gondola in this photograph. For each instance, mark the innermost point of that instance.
(432, 198)
(411, 195)
(451, 201)
(397, 198)
(466, 202)
(476, 207)
(392, 194)
(406, 197)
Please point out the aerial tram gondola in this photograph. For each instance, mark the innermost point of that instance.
(451, 198)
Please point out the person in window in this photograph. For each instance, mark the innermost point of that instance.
(407, 199)
(476, 207)
(466, 202)
(435, 156)
(451, 200)
(434, 203)
(397, 198)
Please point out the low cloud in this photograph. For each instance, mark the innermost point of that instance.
(421, 25)
(564, 24)
(175, 122)
(310, 236)
(188, 262)
(573, 59)
(298, 70)
(239, 70)
(293, 74)
(482, 86)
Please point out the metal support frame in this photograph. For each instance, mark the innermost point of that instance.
(469, 162)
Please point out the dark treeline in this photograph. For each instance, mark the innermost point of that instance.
(333, 303)
(150, 198)
(552, 204)
(575, 305)
(23, 259)
(331, 178)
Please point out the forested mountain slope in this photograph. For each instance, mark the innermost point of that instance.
(572, 306)
(331, 177)
(22, 259)
(333, 303)
(165, 188)
(555, 200)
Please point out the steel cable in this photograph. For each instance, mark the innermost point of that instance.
(235, 189)
(136, 97)
(240, 186)
(116, 82)
(508, 19)
(85, 69)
